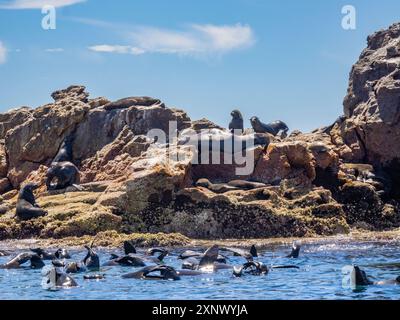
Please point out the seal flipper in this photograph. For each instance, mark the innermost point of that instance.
(129, 247)
(253, 251)
(36, 262)
(295, 250)
(238, 271)
(210, 256)
(360, 278)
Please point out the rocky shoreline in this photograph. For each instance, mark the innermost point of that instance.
(329, 182)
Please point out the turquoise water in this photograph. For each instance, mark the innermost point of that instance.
(319, 277)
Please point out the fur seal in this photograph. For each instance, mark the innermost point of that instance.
(295, 250)
(65, 173)
(22, 258)
(91, 260)
(27, 208)
(65, 151)
(272, 128)
(236, 123)
(54, 278)
(45, 255)
(248, 255)
(246, 185)
(208, 261)
(360, 278)
(133, 101)
(252, 268)
(161, 272)
(126, 261)
(215, 187)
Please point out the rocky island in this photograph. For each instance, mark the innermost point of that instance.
(333, 180)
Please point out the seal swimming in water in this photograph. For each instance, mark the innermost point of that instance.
(27, 208)
(45, 255)
(209, 260)
(126, 261)
(65, 173)
(22, 258)
(160, 272)
(251, 267)
(360, 278)
(248, 255)
(236, 124)
(54, 278)
(296, 246)
(91, 260)
(272, 128)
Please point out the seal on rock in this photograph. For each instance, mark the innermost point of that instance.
(65, 152)
(133, 101)
(272, 128)
(215, 187)
(236, 123)
(65, 173)
(27, 208)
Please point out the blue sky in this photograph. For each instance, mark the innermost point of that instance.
(285, 59)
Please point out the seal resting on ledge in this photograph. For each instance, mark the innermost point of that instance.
(27, 208)
(65, 173)
(133, 101)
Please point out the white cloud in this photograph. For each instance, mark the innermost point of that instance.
(117, 49)
(3, 53)
(54, 50)
(36, 4)
(195, 40)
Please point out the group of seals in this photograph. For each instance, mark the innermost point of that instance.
(236, 125)
(61, 174)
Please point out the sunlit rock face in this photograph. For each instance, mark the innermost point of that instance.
(326, 182)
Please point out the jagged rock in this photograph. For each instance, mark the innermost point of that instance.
(72, 92)
(3, 161)
(38, 139)
(371, 132)
(114, 159)
(204, 124)
(13, 118)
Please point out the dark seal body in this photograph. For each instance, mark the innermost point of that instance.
(133, 101)
(236, 124)
(27, 208)
(65, 152)
(272, 128)
(66, 174)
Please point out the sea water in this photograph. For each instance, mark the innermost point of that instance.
(320, 276)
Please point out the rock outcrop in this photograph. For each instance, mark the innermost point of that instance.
(325, 182)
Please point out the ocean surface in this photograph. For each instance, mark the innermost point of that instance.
(319, 277)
